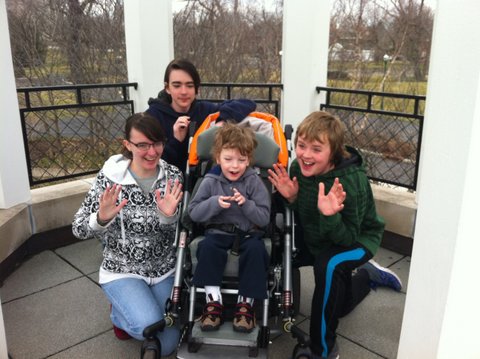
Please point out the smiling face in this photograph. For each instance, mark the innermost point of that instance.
(233, 163)
(314, 157)
(181, 87)
(144, 163)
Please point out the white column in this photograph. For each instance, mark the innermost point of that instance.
(149, 42)
(442, 312)
(306, 27)
(14, 185)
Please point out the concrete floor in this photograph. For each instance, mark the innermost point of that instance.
(54, 308)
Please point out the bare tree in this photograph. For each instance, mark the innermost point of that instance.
(362, 32)
(63, 42)
(82, 41)
(229, 41)
(27, 36)
(414, 21)
(74, 41)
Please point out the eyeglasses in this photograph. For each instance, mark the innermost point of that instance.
(143, 146)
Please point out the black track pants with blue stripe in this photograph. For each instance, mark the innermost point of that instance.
(336, 292)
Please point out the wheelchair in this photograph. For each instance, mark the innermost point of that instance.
(274, 314)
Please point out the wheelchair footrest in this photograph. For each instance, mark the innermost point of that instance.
(225, 335)
(210, 351)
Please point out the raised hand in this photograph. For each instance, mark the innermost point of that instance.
(108, 207)
(180, 128)
(287, 187)
(238, 197)
(169, 202)
(331, 203)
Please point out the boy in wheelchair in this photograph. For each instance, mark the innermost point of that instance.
(233, 204)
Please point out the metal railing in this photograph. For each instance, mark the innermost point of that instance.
(69, 131)
(385, 127)
(267, 96)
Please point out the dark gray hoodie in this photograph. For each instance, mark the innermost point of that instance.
(254, 213)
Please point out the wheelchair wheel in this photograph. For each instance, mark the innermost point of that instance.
(150, 354)
(151, 349)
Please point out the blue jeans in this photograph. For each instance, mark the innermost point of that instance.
(136, 305)
(253, 263)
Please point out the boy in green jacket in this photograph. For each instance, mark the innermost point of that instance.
(341, 230)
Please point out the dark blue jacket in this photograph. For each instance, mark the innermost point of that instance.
(176, 152)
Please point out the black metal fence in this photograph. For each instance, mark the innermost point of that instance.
(267, 96)
(69, 131)
(385, 127)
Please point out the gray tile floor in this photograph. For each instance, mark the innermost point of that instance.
(53, 308)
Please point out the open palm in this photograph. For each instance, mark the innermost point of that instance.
(169, 202)
(331, 203)
(287, 187)
(108, 207)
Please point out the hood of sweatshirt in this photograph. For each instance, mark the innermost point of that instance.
(116, 169)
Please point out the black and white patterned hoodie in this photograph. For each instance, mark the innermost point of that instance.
(139, 240)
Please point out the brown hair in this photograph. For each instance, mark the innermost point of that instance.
(146, 124)
(321, 124)
(231, 136)
(184, 65)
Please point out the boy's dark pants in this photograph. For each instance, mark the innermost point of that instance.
(212, 255)
(336, 292)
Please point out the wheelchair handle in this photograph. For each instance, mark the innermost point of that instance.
(152, 329)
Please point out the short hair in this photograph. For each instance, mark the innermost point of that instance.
(321, 124)
(184, 65)
(232, 136)
(146, 124)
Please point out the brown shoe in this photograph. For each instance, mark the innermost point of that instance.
(212, 317)
(244, 320)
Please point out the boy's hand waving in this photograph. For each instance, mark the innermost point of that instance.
(287, 187)
(331, 203)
